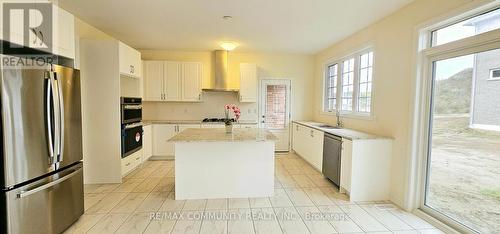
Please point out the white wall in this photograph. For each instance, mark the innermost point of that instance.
(394, 42)
(212, 106)
(298, 68)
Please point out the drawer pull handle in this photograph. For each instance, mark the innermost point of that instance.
(47, 185)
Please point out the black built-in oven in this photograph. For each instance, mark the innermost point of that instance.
(131, 110)
(131, 138)
(131, 125)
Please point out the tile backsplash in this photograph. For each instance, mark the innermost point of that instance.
(212, 106)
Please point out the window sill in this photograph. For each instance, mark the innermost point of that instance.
(350, 115)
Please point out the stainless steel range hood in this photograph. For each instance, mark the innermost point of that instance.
(220, 81)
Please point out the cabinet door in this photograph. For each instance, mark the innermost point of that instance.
(346, 165)
(161, 133)
(317, 141)
(17, 25)
(183, 127)
(295, 137)
(153, 80)
(172, 81)
(248, 82)
(147, 143)
(130, 60)
(191, 81)
(64, 32)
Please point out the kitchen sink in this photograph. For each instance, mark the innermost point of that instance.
(328, 127)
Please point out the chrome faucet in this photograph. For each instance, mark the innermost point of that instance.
(339, 123)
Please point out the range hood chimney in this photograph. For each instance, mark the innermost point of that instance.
(220, 81)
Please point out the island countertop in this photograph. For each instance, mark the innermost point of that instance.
(220, 135)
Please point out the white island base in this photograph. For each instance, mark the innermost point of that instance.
(223, 169)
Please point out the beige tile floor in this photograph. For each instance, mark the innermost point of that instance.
(304, 202)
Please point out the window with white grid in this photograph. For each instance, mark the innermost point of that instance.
(347, 85)
(365, 82)
(331, 88)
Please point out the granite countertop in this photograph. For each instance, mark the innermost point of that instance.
(342, 132)
(148, 122)
(220, 135)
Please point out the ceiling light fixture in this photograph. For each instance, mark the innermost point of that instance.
(228, 45)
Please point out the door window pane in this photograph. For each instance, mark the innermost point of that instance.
(276, 106)
(463, 180)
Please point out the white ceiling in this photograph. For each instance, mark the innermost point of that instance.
(292, 26)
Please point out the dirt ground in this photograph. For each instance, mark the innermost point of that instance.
(465, 173)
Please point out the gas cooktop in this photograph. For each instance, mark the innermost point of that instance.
(215, 120)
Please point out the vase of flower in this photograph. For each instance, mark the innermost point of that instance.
(228, 122)
(229, 128)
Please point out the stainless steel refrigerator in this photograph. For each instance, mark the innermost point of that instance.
(41, 173)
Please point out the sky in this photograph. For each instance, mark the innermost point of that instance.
(447, 68)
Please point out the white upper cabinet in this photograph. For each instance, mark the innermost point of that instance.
(191, 81)
(57, 38)
(64, 33)
(153, 80)
(130, 61)
(172, 81)
(248, 82)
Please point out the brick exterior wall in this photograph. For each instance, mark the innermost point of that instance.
(276, 106)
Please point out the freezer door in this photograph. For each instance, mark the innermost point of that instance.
(25, 126)
(68, 84)
(49, 205)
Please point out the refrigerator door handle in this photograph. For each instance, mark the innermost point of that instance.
(49, 114)
(57, 120)
(23, 194)
(61, 117)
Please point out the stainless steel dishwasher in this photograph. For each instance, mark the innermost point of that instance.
(332, 156)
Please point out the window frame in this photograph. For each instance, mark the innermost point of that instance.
(420, 101)
(491, 75)
(326, 87)
(354, 113)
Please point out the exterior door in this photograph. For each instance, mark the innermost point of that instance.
(274, 109)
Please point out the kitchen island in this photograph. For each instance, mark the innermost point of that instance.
(209, 163)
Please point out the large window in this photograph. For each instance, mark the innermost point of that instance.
(459, 123)
(348, 84)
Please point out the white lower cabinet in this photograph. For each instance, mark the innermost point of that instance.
(365, 163)
(163, 132)
(147, 142)
(308, 143)
(346, 166)
(131, 162)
